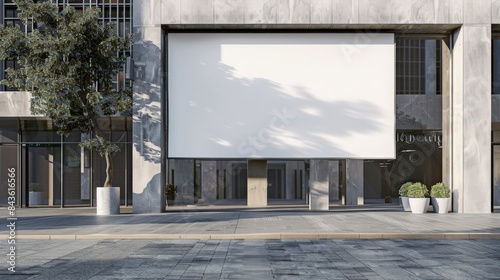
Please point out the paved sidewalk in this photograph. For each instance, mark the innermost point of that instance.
(255, 259)
(241, 222)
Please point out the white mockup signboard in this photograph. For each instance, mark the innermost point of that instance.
(281, 96)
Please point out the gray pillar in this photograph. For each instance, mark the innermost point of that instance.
(229, 180)
(50, 173)
(208, 181)
(354, 181)
(292, 180)
(318, 185)
(148, 142)
(447, 126)
(184, 181)
(469, 120)
(333, 179)
(257, 183)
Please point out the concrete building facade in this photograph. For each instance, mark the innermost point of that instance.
(464, 29)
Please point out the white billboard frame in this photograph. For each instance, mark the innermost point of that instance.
(215, 92)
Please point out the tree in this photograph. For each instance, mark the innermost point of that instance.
(68, 64)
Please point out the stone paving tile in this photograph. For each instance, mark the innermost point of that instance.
(257, 259)
(368, 220)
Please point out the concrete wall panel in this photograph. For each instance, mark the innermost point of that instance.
(229, 11)
(354, 181)
(294, 11)
(257, 183)
(321, 11)
(261, 12)
(170, 11)
(477, 119)
(477, 11)
(197, 12)
(395, 11)
(148, 13)
(495, 11)
(318, 185)
(15, 104)
(148, 191)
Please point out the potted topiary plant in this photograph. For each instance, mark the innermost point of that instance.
(440, 198)
(419, 198)
(403, 192)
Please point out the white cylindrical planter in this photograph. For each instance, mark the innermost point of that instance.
(440, 205)
(35, 198)
(419, 205)
(108, 201)
(406, 203)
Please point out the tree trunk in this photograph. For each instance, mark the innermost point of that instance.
(109, 171)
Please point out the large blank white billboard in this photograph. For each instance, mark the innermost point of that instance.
(281, 96)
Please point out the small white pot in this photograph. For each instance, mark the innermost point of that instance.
(406, 203)
(419, 205)
(108, 201)
(440, 205)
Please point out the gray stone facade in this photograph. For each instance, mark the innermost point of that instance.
(465, 111)
(467, 114)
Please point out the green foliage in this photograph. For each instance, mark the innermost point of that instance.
(418, 190)
(101, 145)
(68, 65)
(403, 191)
(440, 190)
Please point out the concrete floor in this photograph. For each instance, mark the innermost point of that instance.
(241, 222)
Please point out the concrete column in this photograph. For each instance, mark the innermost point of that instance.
(292, 179)
(148, 152)
(257, 183)
(447, 126)
(219, 172)
(430, 67)
(354, 181)
(333, 179)
(318, 185)
(184, 181)
(50, 160)
(208, 181)
(229, 179)
(468, 110)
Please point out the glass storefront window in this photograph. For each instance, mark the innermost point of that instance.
(418, 159)
(7, 136)
(42, 168)
(418, 66)
(8, 170)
